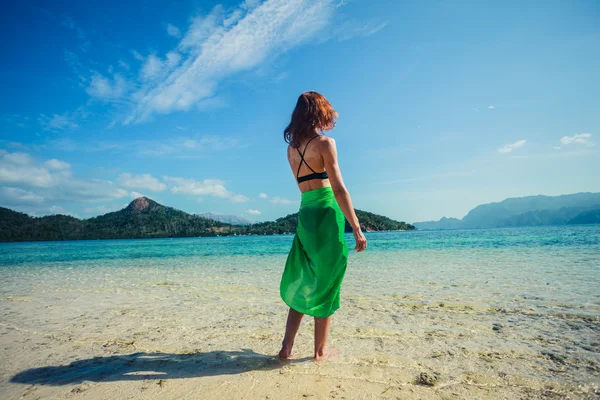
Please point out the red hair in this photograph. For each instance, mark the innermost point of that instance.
(312, 113)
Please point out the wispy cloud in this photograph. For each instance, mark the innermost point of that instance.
(174, 31)
(69, 23)
(221, 44)
(183, 147)
(263, 195)
(14, 120)
(141, 181)
(280, 200)
(491, 108)
(57, 164)
(107, 88)
(216, 46)
(137, 55)
(207, 187)
(578, 139)
(512, 146)
(355, 28)
(62, 122)
(57, 122)
(253, 212)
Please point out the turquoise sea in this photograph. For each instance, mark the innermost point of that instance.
(494, 311)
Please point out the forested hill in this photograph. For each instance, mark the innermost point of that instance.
(145, 218)
(369, 222)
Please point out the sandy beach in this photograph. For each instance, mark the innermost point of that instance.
(171, 328)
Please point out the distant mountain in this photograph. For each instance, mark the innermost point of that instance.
(228, 219)
(525, 211)
(444, 223)
(145, 218)
(587, 217)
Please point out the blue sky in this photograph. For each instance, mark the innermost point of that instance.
(443, 105)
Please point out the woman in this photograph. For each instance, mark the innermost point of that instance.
(316, 264)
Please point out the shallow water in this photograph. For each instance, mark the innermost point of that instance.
(506, 312)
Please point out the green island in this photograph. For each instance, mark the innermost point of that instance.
(145, 218)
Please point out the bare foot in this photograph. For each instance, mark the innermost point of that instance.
(326, 353)
(286, 351)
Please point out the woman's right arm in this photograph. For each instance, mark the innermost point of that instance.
(342, 196)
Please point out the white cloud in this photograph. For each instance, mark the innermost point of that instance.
(19, 168)
(557, 148)
(512, 146)
(353, 28)
(141, 181)
(57, 122)
(219, 45)
(18, 158)
(177, 147)
(15, 196)
(107, 89)
(152, 68)
(212, 48)
(250, 4)
(183, 146)
(135, 195)
(280, 200)
(233, 18)
(137, 55)
(172, 59)
(263, 195)
(207, 187)
(57, 164)
(491, 108)
(238, 198)
(211, 187)
(174, 31)
(282, 76)
(23, 177)
(579, 138)
(253, 212)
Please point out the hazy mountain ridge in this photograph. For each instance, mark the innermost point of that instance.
(578, 208)
(145, 218)
(228, 219)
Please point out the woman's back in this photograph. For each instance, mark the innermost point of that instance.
(308, 164)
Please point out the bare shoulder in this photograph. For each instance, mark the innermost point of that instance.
(326, 142)
(327, 145)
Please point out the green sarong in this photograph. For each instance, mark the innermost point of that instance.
(316, 265)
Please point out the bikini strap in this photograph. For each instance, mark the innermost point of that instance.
(302, 157)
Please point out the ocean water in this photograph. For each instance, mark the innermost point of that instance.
(507, 312)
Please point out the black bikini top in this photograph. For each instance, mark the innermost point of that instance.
(314, 175)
